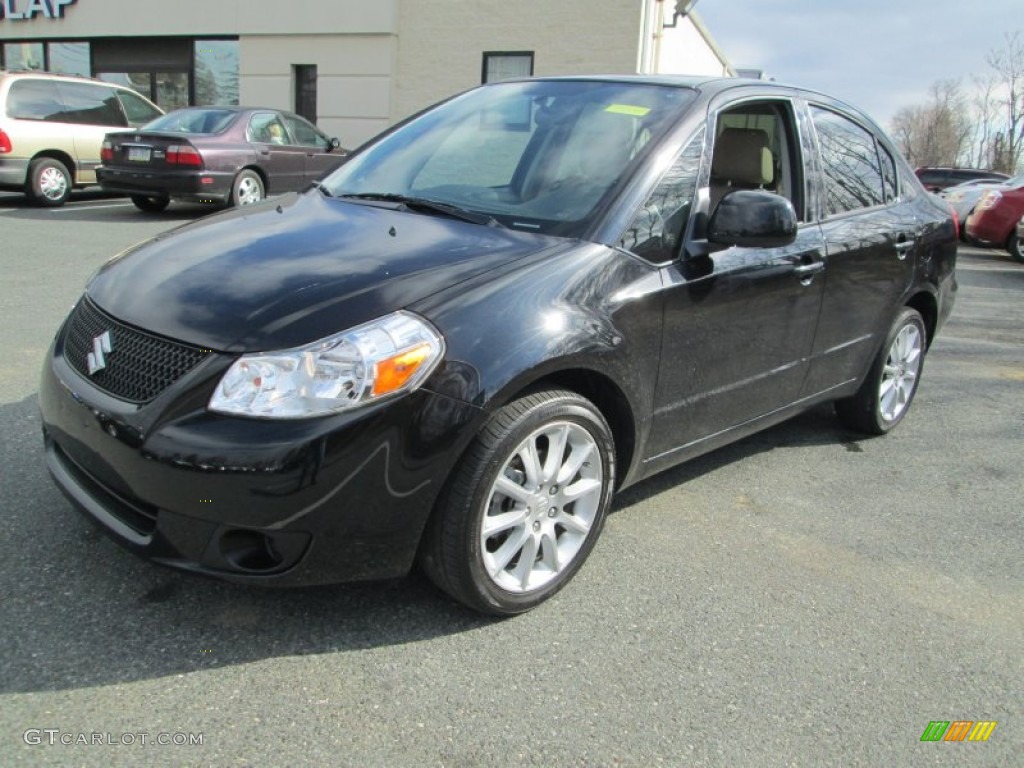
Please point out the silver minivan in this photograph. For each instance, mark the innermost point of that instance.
(52, 126)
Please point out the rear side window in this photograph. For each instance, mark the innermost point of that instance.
(853, 177)
(267, 128)
(138, 110)
(34, 100)
(88, 104)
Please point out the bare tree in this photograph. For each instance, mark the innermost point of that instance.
(938, 132)
(1008, 64)
(986, 108)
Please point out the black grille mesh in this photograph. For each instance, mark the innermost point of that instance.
(139, 367)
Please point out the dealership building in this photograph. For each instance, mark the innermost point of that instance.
(352, 66)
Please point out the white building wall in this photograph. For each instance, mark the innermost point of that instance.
(140, 18)
(380, 60)
(686, 48)
(441, 42)
(354, 74)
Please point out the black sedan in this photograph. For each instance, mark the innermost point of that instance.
(221, 155)
(456, 347)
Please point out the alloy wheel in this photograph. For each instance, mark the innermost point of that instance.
(899, 375)
(541, 507)
(53, 184)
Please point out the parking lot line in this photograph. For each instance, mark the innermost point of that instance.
(90, 206)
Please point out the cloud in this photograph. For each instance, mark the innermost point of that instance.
(878, 54)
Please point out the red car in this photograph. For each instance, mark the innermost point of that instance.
(222, 155)
(994, 220)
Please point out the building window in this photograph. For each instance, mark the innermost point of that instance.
(24, 56)
(506, 65)
(69, 58)
(216, 72)
(305, 91)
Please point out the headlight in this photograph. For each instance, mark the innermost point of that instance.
(380, 359)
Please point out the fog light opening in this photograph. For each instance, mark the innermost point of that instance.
(250, 551)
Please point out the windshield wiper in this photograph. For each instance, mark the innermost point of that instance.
(425, 204)
(324, 190)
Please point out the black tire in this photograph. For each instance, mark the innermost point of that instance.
(49, 182)
(150, 204)
(1016, 248)
(455, 545)
(884, 398)
(247, 189)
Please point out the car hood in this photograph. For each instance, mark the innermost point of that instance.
(291, 271)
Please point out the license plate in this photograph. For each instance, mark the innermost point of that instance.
(138, 154)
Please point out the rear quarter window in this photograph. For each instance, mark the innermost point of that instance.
(34, 100)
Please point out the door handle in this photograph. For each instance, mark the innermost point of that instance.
(903, 247)
(809, 269)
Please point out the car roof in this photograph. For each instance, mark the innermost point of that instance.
(40, 74)
(709, 85)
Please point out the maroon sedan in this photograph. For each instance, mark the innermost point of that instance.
(222, 155)
(994, 220)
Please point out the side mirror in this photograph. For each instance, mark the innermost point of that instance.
(753, 218)
(335, 143)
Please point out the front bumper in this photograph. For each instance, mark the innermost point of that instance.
(191, 186)
(313, 501)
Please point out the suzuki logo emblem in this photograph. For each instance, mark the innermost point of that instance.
(102, 344)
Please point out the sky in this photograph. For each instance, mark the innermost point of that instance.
(879, 55)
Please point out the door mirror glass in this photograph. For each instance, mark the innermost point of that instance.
(753, 218)
(335, 143)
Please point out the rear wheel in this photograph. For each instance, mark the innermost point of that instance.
(526, 505)
(151, 204)
(247, 189)
(1016, 248)
(49, 182)
(885, 396)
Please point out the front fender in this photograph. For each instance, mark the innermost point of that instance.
(583, 310)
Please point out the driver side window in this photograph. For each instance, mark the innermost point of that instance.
(756, 148)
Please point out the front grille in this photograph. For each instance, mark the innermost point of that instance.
(139, 366)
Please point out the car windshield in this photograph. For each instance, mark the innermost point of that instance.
(538, 155)
(192, 121)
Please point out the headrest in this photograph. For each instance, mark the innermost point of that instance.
(742, 156)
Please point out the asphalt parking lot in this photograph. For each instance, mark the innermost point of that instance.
(805, 597)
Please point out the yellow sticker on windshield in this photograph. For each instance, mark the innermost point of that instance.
(627, 109)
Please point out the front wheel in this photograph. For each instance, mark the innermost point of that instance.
(247, 188)
(525, 507)
(885, 396)
(1016, 248)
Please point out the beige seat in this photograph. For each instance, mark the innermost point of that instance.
(742, 160)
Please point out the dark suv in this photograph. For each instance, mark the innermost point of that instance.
(458, 345)
(934, 179)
